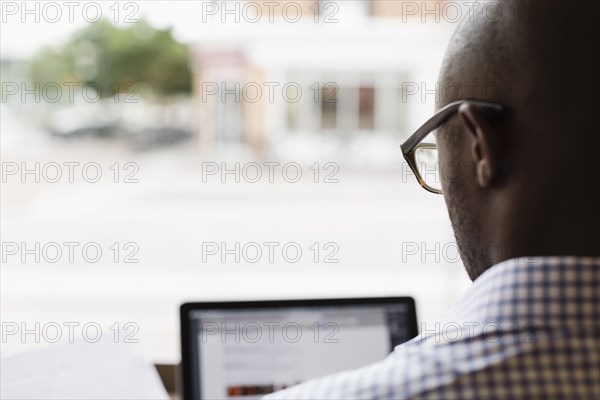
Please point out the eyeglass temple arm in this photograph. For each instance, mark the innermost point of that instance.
(441, 116)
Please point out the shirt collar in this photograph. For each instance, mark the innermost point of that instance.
(541, 290)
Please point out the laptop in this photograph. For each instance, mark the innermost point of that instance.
(247, 349)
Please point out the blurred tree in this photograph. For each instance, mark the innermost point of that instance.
(114, 58)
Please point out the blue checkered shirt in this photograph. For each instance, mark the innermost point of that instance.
(526, 329)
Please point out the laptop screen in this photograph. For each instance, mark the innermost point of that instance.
(245, 353)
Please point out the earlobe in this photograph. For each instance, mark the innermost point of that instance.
(484, 173)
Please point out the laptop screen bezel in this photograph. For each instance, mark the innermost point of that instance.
(189, 369)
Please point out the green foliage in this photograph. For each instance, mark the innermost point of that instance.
(114, 58)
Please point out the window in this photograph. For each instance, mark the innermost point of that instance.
(366, 108)
(329, 106)
(228, 117)
(350, 104)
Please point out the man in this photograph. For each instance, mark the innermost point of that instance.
(527, 188)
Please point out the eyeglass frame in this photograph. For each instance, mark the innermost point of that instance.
(413, 143)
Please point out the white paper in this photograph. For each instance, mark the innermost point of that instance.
(79, 370)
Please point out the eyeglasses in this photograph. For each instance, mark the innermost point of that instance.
(422, 155)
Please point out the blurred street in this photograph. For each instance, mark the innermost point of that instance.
(373, 218)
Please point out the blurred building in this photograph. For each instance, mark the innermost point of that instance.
(338, 70)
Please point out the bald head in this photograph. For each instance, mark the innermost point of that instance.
(520, 52)
(537, 59)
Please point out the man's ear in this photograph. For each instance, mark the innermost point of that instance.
(485, 144)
